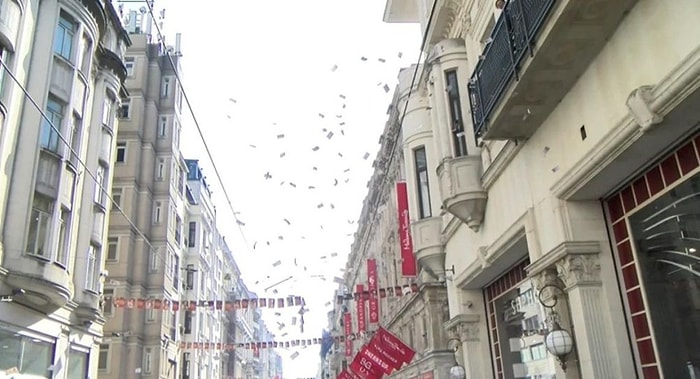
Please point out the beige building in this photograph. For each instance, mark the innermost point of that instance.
(417, 317)
(57, 125)
(147, 241)
(561, 183)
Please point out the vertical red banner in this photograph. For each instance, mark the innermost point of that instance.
(372, 288)
(347, 325)
(361, 319)
(408, 260)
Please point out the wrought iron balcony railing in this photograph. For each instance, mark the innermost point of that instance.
(512, 37)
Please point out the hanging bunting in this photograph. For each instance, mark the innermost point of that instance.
(395, 291)
(229, 305)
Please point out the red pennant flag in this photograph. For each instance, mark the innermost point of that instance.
(262, 303)
(375, 346)
(365, 368)
(376, 360)
(228, 306)
(297, 300)
(408, 259)
(219, 304)
(394, 346)
(244, 303)
(280, 303)
(361, 321)
(176, 305)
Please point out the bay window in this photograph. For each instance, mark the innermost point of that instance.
(65, 34)
(421, 166)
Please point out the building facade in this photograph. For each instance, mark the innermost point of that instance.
(58, 94)
(146, 238)
(204, 279)
(560, 180)
(416, 316)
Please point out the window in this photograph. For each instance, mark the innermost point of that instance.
(51, 127)
(153, 261)
(422, 178)
(63, 238)
(103, 359)
(186, 366)
(125, 109)
(63, 40)
(38, 235)
(189, 279)
(178, 101)
(165, 91)
(92, 274)
(121, 152)
(176, 134)
(112, 248)
(85, 60)
(160, 170)
(108, 301)
(77, 365)
(192, 234)
(457, 127)
(157, 212)
(176, 272)
(178, 229)
(100, 179)
(31, 356)
(75, 142)
(107, 111)
(150, 315)
(130, 63)
(117, 197)
(147, 360)
(163, 127)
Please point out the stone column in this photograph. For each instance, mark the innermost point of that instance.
(577, 266)
(467, 332)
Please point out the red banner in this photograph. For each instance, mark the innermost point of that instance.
(408, 260)
(347, 324)
(376, 360)
(365, 368)
(394, 346)
(375, 346)
(361, 320)
(373, 291)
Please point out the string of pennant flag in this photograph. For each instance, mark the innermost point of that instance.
(227, 305)
(268, 344)
(395, 291)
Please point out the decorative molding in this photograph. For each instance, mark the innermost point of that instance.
(574, 262)
(639, 104)
(463, 327)
(660, 100)
(500, 162)
(579, 269)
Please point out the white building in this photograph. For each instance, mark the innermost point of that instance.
(561, 140)
(67, 58)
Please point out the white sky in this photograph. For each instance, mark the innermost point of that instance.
(275, 58)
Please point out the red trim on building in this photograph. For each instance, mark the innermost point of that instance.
(492, 292)
(670, 171)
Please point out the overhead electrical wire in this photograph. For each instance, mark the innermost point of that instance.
(161, 40)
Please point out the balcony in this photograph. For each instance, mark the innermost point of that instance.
(427, 244)
(537, 51)
(461, 190)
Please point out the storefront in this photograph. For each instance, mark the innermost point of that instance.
(517, 324)
(655, 228)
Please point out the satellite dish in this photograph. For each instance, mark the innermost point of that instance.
(143, 10)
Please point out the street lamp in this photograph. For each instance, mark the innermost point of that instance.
(558, 340)
(456, 371)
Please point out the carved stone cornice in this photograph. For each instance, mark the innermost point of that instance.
(579, 269)
(464, 327)
(574, 262)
